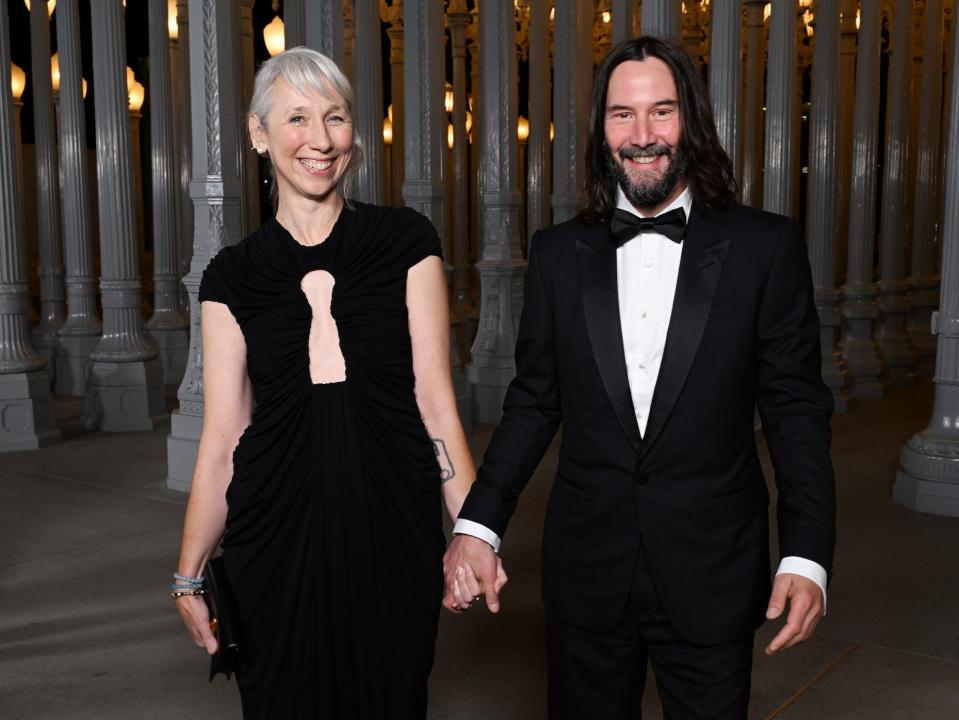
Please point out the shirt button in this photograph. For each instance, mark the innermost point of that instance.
(643, 315)
(648, 263)
(642, 366)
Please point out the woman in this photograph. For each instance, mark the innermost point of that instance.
(332, 320)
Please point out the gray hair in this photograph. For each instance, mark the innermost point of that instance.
(306, 71)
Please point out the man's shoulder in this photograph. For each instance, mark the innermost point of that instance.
(749, 220)
(563, 236)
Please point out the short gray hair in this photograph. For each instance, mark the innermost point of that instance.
(307, 71)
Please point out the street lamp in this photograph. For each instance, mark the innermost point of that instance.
(273, 34)
(18, 80)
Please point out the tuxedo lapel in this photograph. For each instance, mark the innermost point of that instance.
(704, 250)
(597, 265)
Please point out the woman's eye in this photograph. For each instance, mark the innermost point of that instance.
(297, 119)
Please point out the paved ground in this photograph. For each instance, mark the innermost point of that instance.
(89, 536)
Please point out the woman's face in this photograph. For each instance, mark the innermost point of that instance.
(309, 139)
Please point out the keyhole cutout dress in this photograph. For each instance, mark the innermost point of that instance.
(333, 538)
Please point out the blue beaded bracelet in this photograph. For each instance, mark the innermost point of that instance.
(186, 586)
(184, 578)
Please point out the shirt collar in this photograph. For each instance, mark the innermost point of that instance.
(685, 201)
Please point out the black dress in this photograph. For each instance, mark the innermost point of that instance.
(333, 537)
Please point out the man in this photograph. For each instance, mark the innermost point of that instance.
(651, 342)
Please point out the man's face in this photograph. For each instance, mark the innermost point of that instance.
(643, 129)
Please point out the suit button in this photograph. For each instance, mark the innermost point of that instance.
(643, 479)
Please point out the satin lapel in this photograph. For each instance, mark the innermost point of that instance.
(704, 250)
(597, 270)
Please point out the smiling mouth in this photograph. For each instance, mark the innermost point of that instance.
(643, 159)
(316, 165)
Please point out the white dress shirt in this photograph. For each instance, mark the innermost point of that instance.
(647, 268)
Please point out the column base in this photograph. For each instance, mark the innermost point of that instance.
(27, 419)
(897, 350)
(928, 480)
(488, 389)
(173, 345)
(181, 448)
(72, 363)
(124, 396)
(44, 344)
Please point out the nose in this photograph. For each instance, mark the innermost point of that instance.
(320, 137)
(642, 134)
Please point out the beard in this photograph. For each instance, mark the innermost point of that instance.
(652, 191)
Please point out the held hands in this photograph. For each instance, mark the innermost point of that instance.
(472, 569)
(196, 617)
(805, 610)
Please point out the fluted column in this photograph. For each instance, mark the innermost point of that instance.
(897, 349)
(393, 16)
(928, 479)
(348, 39)
(859, 310)
(622, 20)
(294, 21)
(822, 211)
(781, 152)
(572, 42)
(168, 325)
(751, 178)
(538, 145)
(249, 160)
(27, 420)
(184, 146)
(324, 29)
(457, 17)
(924, 278)
(501, 266)
(80, 332)
(215, 190)
(847, 76)
(368, 84)
(662, 17)
(125, 384)
(725, 61)
(49, 240)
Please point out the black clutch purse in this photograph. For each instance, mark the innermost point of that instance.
(224, 619)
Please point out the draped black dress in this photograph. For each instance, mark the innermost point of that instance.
(333, 538)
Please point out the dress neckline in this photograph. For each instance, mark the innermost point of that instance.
(335, 232)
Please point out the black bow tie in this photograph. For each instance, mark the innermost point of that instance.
(625, 225)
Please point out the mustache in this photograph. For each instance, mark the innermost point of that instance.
(631, 152)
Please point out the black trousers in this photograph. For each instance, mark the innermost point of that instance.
(600, 676)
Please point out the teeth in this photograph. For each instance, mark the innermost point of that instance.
(644, 159)
(316, 164)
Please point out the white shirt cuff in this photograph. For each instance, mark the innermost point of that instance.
(807, 569)
(468, 527)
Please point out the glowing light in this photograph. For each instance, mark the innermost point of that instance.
(767, 11)
(449, 135)
(448, 98)
(388, 128)
(274, 37)
(137, 95)
(55, 72)
(51, 4)
(18, 80)
(607, 16)
(172, 28)
(522, 129)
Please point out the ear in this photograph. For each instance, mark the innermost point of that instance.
(257, 133)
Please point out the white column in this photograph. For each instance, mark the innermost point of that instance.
(125, 384)
(324, 29)
(751, 179)
(897, 349)
(573, 63)
(168, 326)
(538, 144)
(847, 77)
(501, 266)
(822, 210)
(80, 332)
(27, 421)
(928, 480)
(924, 278)
(368, 86)
(725, 61)
(781, 152)
(184, 145)
(49, 240)
(215, 190)
(662, 17)
(859, 309)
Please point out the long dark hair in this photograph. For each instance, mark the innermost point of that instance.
(709, 172)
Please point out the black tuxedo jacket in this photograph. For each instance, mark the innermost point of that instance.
(743, 334)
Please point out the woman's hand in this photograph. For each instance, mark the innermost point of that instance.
(196, 617)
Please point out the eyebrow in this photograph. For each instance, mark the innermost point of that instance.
(658, 103)
(305, 108)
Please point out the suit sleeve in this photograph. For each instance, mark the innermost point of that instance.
(531, 409)
(795, 405)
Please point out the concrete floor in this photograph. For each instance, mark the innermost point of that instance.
(89, 536)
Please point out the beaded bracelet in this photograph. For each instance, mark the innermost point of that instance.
(191, 580)
(186, 593)
(186, 586)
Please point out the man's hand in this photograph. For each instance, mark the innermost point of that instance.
(471, 569)
(805, 610)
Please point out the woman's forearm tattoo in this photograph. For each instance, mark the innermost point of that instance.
(447, 471)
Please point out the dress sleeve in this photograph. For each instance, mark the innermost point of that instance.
(423, 242)
(213, 284)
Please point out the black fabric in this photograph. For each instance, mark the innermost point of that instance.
(333, 538)
(625, 225)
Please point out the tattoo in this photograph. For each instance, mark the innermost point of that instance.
(447, 471)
